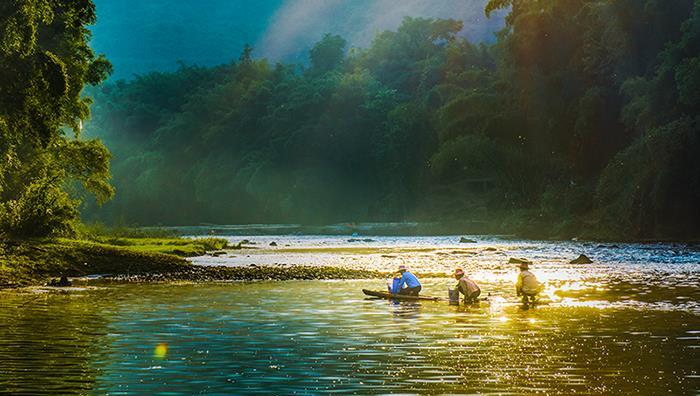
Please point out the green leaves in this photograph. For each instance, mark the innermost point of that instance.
(98, 71)
(327, 54)
(45, 61)
(653, 186)
(567, 98)
(88, 163)
(687, 78)
(494, 5)
(44, 208)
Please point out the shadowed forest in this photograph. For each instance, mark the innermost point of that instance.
(583, 115)
(581, 119)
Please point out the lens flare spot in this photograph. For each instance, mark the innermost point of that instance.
(161, 351)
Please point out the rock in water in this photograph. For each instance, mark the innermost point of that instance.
(581, 259)
(515, 260)
(273, 243)
(63, 282)
(466, 240)
(361, 240)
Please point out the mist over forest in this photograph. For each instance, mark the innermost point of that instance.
(580, 117)
(144, 36)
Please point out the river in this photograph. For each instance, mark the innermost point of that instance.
(628, 323)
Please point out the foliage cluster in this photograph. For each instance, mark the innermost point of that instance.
(584, 110)
(45, 60)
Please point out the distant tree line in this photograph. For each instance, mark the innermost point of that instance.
(581, 118)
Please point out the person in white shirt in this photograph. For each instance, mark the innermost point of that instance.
(467, 287)
(527, 286)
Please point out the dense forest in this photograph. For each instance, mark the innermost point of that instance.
(580, 120)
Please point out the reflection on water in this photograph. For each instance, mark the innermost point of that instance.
(47, 342)
(310, 337)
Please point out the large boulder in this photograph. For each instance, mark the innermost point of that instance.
(581, 259)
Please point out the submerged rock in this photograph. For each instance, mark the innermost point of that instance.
(516, 260)
(466, 240)
(581, 259)
(63, 282)
(273, 243)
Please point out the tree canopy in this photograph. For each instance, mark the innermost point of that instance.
(45, 61)
(582, 116)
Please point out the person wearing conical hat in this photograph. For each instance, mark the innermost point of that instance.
(527, 286)
(412, 285)
(467, 287)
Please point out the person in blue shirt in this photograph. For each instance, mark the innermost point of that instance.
(412, 284)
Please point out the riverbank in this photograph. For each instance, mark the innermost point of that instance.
(36, 262)
(158, 255)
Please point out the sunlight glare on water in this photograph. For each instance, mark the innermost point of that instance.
(647, 271)
(628, 323)
(325, 336)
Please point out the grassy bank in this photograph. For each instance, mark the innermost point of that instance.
(37, 260)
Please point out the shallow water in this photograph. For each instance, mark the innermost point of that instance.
(628, 323)
(308, 337)
(666, 275)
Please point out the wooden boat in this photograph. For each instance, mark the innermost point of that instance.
(389, 296)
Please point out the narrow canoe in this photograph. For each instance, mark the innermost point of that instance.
(390, 296)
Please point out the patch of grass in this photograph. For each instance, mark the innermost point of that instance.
(91, 231)
(35, 261)
(183, 247)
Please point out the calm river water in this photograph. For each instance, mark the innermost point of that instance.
(629, 323)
